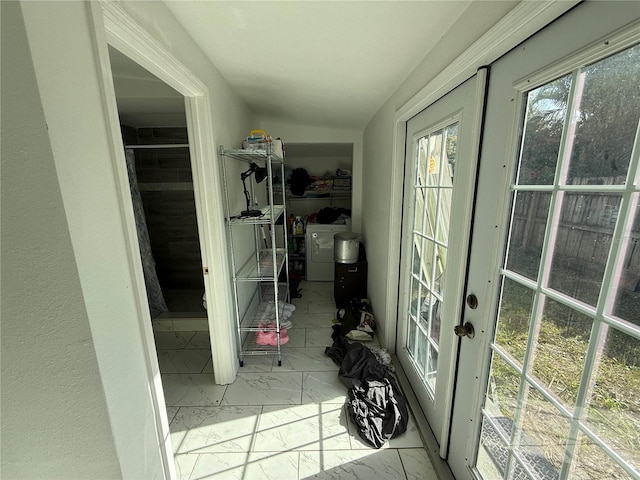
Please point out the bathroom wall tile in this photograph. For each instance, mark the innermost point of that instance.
(351, 465)
(302, 427)
(243, 466)
(268, 388)
(417, 464)
(183, 361)
(190, 389)
(323, 387)
(307, 360)
(214, 429)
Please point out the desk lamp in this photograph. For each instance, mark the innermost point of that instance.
(261, 174)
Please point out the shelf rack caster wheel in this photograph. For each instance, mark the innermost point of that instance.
(242, 363)
(279, 363)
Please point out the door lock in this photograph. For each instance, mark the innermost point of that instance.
(465, 330)
(472, 301)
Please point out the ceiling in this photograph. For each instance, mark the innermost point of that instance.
(316, 63)
(327, 63)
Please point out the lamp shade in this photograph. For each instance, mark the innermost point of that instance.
(261, 174)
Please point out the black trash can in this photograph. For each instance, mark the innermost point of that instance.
(350, 280)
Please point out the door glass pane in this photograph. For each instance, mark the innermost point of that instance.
(607, 120)
(502, 394)
(543, 438)
(627, 303)
(546, 112)
(614, 409)
(582, 244)
(530, 213)
(579, 238)
(436, 155)
(592, 463)
(561, 349)
(512, 330)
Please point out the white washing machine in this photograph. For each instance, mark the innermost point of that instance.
(320, 262)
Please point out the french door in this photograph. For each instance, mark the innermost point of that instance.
(549, 385)
(440, 167)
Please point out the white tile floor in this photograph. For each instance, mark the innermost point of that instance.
(276, 423)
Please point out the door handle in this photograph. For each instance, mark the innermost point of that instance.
(465, 330)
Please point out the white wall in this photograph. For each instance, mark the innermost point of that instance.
(78, 403)
(378, 152)
(55, 422)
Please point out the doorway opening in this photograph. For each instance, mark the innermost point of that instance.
(154, 130)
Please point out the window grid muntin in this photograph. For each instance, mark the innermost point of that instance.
(422, 189)
(601, 321)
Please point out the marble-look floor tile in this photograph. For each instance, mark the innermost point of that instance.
(214, 429)
(417, 464)
(319, 337)
(325, 288)
(307, 360)
(162, 325)
(190, 324)
(323, 387)
(268, 388)
(301, 304)
(326, 307)
(296, 338)
(183, 361)
(312, 320)
(172, 340)
(246, 466)
(171, 413)
(199, 340)
(184, 465)
(351, 465)
(310, 295)
(188, 389)
(302, 427)
(409, 439)
(208, 368)
(257, 363)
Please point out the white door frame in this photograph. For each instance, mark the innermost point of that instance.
(523, 21)
(114, 26)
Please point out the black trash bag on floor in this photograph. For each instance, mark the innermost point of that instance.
(378, 410)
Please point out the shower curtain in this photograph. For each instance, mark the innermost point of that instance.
(157, 304)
